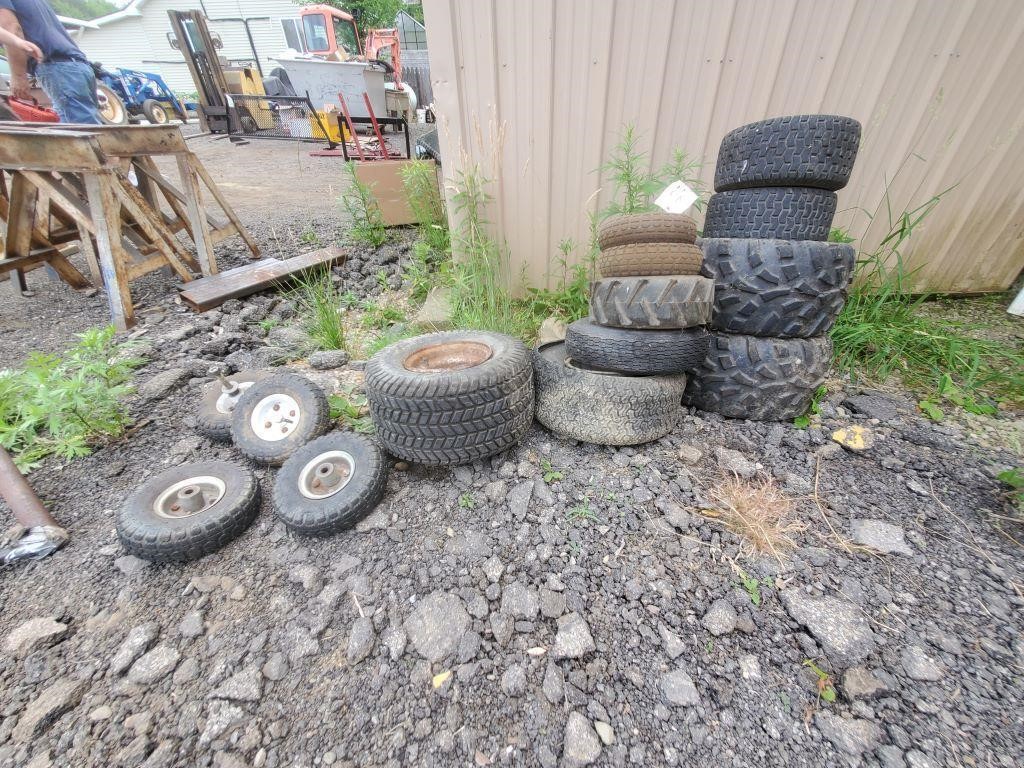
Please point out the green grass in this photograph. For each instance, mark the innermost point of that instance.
(359, 203)
(883, 333)
(353, 410)
(1014, 480)
(419, 178)
(66, 404)
(381, 317)
(318, 304)
(581, 513)
(424, 268)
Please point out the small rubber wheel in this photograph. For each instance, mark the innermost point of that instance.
(213, 416)
(155, 112)
(650, 259)
(330, 484)
(630, 228)
(188, 511)
(277, 416)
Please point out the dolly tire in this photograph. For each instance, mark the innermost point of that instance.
(646, 259)
(600, 407)
(150, 528)
(295, 409)
(640, 353)
(213, 416)
(630, 228)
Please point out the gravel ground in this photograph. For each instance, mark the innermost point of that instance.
(500, 614)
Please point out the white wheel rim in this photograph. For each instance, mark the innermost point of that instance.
(189, 497)
(326, 474)
(228, 400)
(275, 417)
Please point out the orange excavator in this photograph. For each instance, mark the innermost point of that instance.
(333, 33)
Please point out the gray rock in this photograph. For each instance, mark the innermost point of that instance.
(245, 685)
(501, 628)
(163, 383)
(395, 641)
(192, 625)
(223, 717)
(328, 359)
(34, 634)
(734, 461)
(872, 406)
(133, 753)
(56, 699)
(581, 745)
(139, 640)
(920, 666)
(720, 618)
(552, 685)
(496, 491)
(861, 683)
(513, 682)
(519, 499)
(573, 639)
(679, 690)
(493, 568)
(890, 756)
(518, 601)
(360, 639)
(154, 665)
(437, 624)
(604, 732)
(186, 672)
(676, 516)
(276, 667)
(838, 626)
(750, 667)
(471, 545)
(918, 759)
(552, 604)
(130, 565)
(689, 454)
(851, 736)
(671, 642)
(551, 330)
(880, 536)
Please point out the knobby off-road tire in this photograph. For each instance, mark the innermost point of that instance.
(778, 213)
(213, 415)
(636, 352)
(603, 408)
(451, 398)
(746, 377)
(277, 416)
(630, 228)
(330, 484)
(644, 259)
(677, 301)
(149, 527)
(794, 151)
(786, 288)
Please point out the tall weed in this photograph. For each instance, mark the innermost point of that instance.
(361, 206)
(319, 303)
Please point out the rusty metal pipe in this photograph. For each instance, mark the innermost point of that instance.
(14, 488)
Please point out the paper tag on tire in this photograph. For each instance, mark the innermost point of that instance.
(676, 198)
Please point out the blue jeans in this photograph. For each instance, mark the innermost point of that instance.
(71, 86)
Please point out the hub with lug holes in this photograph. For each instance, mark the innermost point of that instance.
(326, 474)
(275, 417)
(189, 497)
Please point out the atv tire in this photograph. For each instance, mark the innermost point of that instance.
(785, 288)
(213, 416)
(746, 377)
(188, 511)
(330, 484)
(640, 353)
(277, 416)
(451, 398)
(631, 228)
(678, 301)
(794, 151)
(645, 259)
(600, 407)
(776, 213)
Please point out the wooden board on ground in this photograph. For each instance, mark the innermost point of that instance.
(209, 292)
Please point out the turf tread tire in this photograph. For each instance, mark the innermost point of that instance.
(784, 288)
(650, 259)
(640, 353)
(792, 151)
(314, 418)
(148, 536)
(675, 301)
(362, 493)
(747, 377)
(603, 408)
(776, 213)
(631, 228)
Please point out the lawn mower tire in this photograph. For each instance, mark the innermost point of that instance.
(630, 228)
(676, 301)
(213, 416)
(188, 511)
(277, 416)
(330, 484)
(155, 112)
(777, 213)
(643, 259)
(601, 407)
(639, 353)
(449, 398)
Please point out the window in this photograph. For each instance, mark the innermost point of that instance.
(345, 36)
(315, 27)
(293, 34)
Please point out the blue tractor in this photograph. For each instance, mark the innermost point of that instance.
(126, 95)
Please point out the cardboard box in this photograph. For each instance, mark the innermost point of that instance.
(384, 177)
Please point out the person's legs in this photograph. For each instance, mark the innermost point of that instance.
(71, 86)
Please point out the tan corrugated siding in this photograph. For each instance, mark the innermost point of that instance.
(941, 80)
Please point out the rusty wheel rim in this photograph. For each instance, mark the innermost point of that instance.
(326, 474)
(448, 356)
(189, 497)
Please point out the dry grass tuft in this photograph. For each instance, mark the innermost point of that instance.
(758, 511)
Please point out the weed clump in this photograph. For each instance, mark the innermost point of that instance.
(318, 303)
(361, 206)
(758, 511)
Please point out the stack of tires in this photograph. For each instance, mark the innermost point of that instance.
(779, 286)
(619, 377)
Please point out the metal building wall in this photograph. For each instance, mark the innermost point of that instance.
(937, 84)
